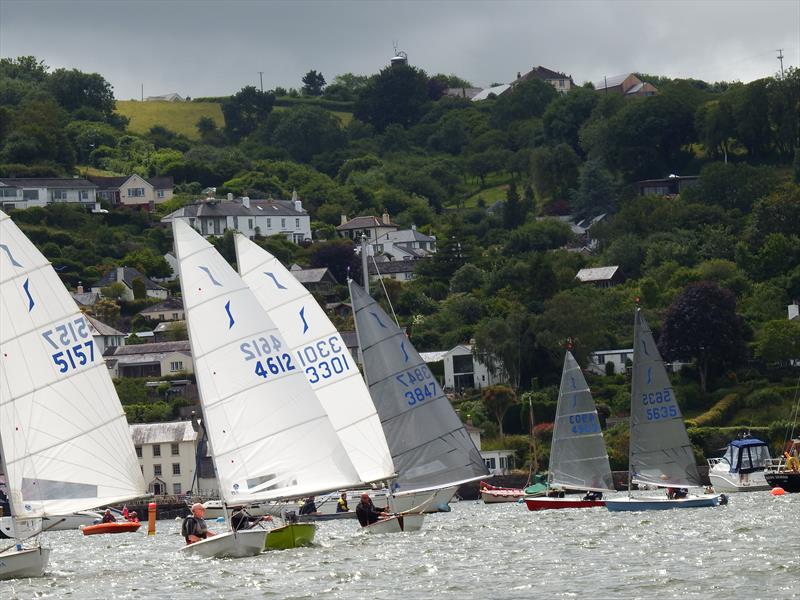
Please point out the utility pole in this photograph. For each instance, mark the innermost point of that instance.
(261, 78)
(780, 58)
(142, 92)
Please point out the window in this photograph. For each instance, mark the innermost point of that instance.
(176, 468)
(8, 192)
(60, 195)
(269, 223)
(174, 316)
(236, 222)
(490, 463)
(378, 247)
(175, 449)
(84, 195)
(176, 489)
(502, 462)
(249, 223)
(560, 83)
(176, 365)
(139, 451)
(157, 470)
(30, 194)
(283, 223)
(157, 450)
(160, 193)
(297, 223)
(135, 192)
(409, 275)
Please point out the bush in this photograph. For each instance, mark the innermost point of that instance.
(717, 414)
(762, 398)
(609, 368)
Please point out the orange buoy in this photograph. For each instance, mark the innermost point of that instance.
(151, 518)
(777, 491)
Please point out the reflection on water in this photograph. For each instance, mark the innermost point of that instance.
(747, 549)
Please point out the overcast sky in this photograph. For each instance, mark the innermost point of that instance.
(214, 47)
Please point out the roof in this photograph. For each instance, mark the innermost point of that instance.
(317, 275)
(167, 326)
(101, 328)
(597, 274)
(364, 223)
(612, 81)
(235, 208)
(109, 183)
(432, 357)
(496, 90)
(128, 275)
(541, 72)
(621, 351)
(85, 298)
(404, 236)
(168, 304)
(162, 433)
(461, 92)
(47, 182)
(393, 266)
(747, 442)
(154, 348)
(669, 179)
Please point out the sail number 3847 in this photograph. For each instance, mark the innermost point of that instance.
(416, 380)
(660, 405)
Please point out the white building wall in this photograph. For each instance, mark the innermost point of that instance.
(185, 459)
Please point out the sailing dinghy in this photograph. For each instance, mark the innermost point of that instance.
(660, 452)
(322, 355)
(431, 449)
(64, 439)
(270, 437)
(578, 457)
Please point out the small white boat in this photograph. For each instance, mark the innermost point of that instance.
(231, 544)
(430, 501)
(625, 504)
(396, 524)
(54, 523)
(30, 562)
(741, 468)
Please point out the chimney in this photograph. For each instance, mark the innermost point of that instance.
(79, 289)
(344, 219)
(230, 197)
(246, 201)
(120, 274)
(298, 204)
(413, 228)
(385, 218)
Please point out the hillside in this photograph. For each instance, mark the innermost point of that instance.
(180, 117)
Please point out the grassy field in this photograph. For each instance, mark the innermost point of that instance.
(180, 117)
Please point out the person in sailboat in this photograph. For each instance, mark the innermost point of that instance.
(677, 493)
(593, 496)
(309, 506)
(108, 517)
(194, 526)
(241, 519)
(367, 513)
(341, 505)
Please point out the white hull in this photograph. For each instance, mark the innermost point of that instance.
(734, 482)
(228, 545)
(430, 501)
(31, 562)
(25, 528)
(397, 524)
(490, 497)
(214, 510)
(62, 523)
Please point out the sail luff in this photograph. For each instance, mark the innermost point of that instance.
(320, 349)
(64, 437)
(269, 435)
(429, 444)
(660, 451)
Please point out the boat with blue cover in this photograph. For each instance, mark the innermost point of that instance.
(741, 468)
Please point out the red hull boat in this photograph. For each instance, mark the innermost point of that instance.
(126, 527)
(554, 503)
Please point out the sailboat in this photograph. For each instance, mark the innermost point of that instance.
(64, 439)
(660, 452)
(578, 457)
(323, 356)
(431, 449)
(269, 436)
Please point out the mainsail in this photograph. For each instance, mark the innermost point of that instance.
(660, 452)
(578, 458)
(322, 354)
(429, 444)
(64, 438)
(269, 435)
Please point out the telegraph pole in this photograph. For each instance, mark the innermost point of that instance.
(780, 58)
(142, 92)
(261, 78)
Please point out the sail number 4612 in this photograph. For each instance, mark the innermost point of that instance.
(657, 402)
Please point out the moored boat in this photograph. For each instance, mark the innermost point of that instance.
(784, 472)
(741, 468)
(291, 535)
(549, 502)
(408, 522)
(29, 562)
(491, 494)
(118, 527)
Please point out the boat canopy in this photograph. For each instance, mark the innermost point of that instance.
(747, 456)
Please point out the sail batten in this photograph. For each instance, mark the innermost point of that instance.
(660, 451)
(578, 457)
(320, 351)
(430, 446)
(64, 437)
(269, 435)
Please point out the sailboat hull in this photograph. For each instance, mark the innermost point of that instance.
(397, 524)
(229, 545)
(294, 535)
(788, 480)
(556, 503)
(430, 501)
(31, 562)
(639, 504)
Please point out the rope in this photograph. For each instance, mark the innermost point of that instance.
(385, 293)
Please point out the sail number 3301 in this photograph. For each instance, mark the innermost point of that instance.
(68, 338)
(660, 405)
(416, 379)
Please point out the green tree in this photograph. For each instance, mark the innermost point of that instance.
(313, 83)
(27, 68)
(113, 291)
(778, 341)
(498, 399)
(564, 116)
(525, 100)
(74, 89)
(107, 310)
(466, 279)
(245, 111)
(396, 95)
(304, 131)
(597, 190)
(512, 209)
(139, 289)
(555, 171)
(733, 185)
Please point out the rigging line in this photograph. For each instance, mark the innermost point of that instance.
(385, 293)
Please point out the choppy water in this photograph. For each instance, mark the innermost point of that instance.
(748, 549)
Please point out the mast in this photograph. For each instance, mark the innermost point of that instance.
(364, 264)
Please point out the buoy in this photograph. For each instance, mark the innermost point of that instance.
(777, 491)
(151, 518)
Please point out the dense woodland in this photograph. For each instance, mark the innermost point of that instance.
(713, 269)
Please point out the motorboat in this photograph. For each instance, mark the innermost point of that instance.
(741, 468)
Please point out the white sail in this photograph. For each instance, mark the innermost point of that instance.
(578, 457)
(320, 351)
(270, 437)
(64, 438)
(660, 452)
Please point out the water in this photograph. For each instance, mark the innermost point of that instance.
(747, 549)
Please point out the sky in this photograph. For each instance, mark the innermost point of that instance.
(215, 47)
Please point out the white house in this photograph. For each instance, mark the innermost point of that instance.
(24, 192)
(166, 453)
(462, 370)
(499, 462)
(250, 217)
(560, 81)
(126, 276)
(619, 358)
(488, 93)
(793, 311)
(150, 360)
(402, 244)
(134, 190)
(369, 226)
(399, 270)
(170, 309)
(172, 97)
(104, 335)
(602, 277)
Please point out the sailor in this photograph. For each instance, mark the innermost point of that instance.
(341, 505)
(108, 517)
(241, 519)
(593, 496)
(194, 526)
(133, 518)
(367, 513)
(309, 507)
